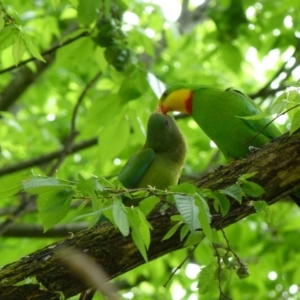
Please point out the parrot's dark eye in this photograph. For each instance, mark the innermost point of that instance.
(167, 123)
(165, 94)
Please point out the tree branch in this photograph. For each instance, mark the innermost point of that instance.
(47, 157)
(278, 171)
(37, 231)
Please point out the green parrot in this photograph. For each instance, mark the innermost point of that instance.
(160, 161)
(217, 112)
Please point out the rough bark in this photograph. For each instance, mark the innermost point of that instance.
(278, 171)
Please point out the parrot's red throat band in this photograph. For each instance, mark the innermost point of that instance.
(188, 103)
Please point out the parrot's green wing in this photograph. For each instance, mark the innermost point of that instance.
(136, 167)
(264, 126)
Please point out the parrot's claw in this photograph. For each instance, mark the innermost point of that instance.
(253, 149)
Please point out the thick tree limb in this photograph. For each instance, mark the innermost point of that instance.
(37, 231)
(278, 171)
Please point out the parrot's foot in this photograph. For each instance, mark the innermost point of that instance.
(253, 149)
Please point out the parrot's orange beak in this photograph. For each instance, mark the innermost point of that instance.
(161, 108)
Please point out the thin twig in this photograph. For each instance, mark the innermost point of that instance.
(259, 132)
(228, 246)
(181, 264)
(222, 295)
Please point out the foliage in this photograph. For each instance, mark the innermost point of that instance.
(79, 80)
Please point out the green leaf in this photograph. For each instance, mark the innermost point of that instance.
(102, 112)
(109, 146)
(235, 191)
(223, 202)
(11, 184)
(172, 231)
(279, 104)
(231, 56)
(8, 35)
(87, 187)
(204, 215)
(32, 48)
(207, 279)
(41, 185)
(128, 91)
(138, 241)
(53, 206)
(185, 187)
(215, 236)
(55, 3)
(256, 117)
(184, 231)
(18, 49)
(2, 23)
(87, 11)
(148, 204)
(137, 230)
(252, 189)
(134, 86)
(244, 177)
(260, 206)
(194, 238)
(189, 211)
(145, 227)
(120, 217)
(295, 123)
(177, 218)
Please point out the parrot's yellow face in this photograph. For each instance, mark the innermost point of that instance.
(178, 100)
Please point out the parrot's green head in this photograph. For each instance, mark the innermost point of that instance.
(178, 97)
(163, 134)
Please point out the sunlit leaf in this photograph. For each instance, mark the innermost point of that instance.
(252, 189)
(18, 49)
(32, 48)
(2, 23)
(235, 191)
(8, 35)
(194, 238)
(295, 124)
(148, 204)
(135, 223)
(53, 206)
(204, 215)
(189, 211)
(55, 3)
(120, 217)
(145, 227)
(223, 202)
(260, 206)
(172, 231)
(42, 185)
(109, 145)
(185, 229)
(87, 11)
(207, 279)
(11, 185)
